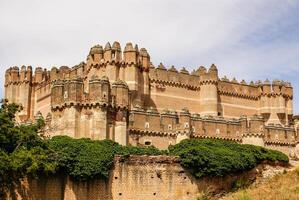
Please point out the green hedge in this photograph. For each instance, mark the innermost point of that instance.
(208, 157)
(85, 159)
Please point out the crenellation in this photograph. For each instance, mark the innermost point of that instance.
(184, 71)
(14, 74)
(144, 59)
(38, 75)
(130, 54)
(107, 52)
(121, 95)
(116, 52)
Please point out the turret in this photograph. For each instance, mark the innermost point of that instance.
(75, 90)
(130, 54)
(144, 58)
(29, 74)
(57, 93)
(256, 125)
(213, 73)
(278, 99)
(169, 120)
(116, 52)
(99, 90)
(7, 76)
(54, 75)
(276, 85)
(185, 121)
(274, 102)
(288, 93)
(120, 95)
(208, 91)
(265, 103)
(255, 134)
(120, 92)
(107, 52)
(15, 74)
(23, 73)
(96, 53)
(38, 74)
(94, 89)
(201, 71)
(105, 86)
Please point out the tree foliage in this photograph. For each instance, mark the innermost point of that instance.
(22, 150)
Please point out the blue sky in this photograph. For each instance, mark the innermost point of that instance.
(246, 39)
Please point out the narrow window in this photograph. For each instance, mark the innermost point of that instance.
(146, 125)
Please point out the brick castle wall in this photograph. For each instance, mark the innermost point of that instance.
(138, 177)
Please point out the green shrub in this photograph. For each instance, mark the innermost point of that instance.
(85, 159)
(208, 157)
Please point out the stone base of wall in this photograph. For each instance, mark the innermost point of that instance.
(138, 177)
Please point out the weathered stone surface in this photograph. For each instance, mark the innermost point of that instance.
(135, 178)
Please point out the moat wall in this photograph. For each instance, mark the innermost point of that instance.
(138, 177)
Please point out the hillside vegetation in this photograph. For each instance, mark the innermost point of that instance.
(25, 152)
(283, 186)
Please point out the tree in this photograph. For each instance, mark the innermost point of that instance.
(22, 150)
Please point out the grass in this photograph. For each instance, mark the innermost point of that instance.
(281, 187)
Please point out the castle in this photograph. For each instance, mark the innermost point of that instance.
(123, 97)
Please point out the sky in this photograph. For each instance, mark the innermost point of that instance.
(246, 39)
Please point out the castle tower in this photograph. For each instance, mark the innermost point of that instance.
(120, 94)
(99, 98)
(112, 56)
(255, 132)
(288, 93)
(14, 80)
(185, 125)
(144, 84)
(275, 103)
(25, 92)
(57, 94)
(136, 73)
(208, 91)
(38, 75)
(18, 89)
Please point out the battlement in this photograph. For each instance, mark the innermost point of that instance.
(131, 55)
(14, 75)
(119, 94)
(169, 122)
(70, 92)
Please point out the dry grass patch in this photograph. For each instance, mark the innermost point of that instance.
(280, 187)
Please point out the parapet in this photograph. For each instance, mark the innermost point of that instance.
(172, 76)
(208, 77)
(14, 76)
(183, 78)
(131, 55)
(277, 88)
(169, 122)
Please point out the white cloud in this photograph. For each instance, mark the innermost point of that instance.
(246, 39)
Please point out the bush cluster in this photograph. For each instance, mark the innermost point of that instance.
(85, 159)
(209, 157)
